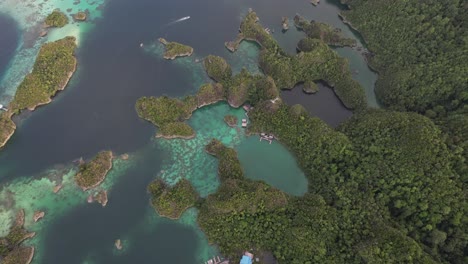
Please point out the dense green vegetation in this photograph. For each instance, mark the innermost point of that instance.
(10, 245)
(171, 202)
(419, 49)
(316, 62)
(52, 69)
(174, 49)
(385, 186)
(56, 19)
(176, 130)
(231, 120)
(54, 66)
(92, 173)
(217, 68)
(7, 128)
(19, 255)
(229, 165)
(328, 34)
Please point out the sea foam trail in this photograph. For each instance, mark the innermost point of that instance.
(178, 20)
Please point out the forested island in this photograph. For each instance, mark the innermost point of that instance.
(53, 68)
(316, 62)
(56, 19)
(385, 186)
(93, 173)
(174, 49)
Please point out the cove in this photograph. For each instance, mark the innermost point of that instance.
(273, 164)
(324, 104)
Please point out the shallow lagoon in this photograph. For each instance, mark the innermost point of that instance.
(96, 112)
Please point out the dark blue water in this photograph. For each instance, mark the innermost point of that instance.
(324, 104)
(96, 112)
(9, 39)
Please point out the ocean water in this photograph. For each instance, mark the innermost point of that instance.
(96, 112)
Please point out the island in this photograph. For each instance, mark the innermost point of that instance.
(285, 23)
(93, 173)
(101, 197)
(231, 120)
(80, 16)
(52, 70)
(328, 34)
(10, 246)
(174, 49)
(56, 19)
(310, 87)
(169, 201)
(318, 62)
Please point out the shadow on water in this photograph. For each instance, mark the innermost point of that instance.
(9, 40)
(324, 104)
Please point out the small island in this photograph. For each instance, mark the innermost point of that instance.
(174, 49)
(80, 16)
(231, 120)
(310, 87)
(93, 173)
(285, 23)
(101, 197)
(56, 19)
(7, 127)
(171, 202)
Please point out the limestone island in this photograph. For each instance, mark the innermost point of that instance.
(315, 2)
(174, 49)
(80, 16)
(53, 68)
(169, 114)
(56, 19)
(118, 244)
(38, 215)
(231, 120)
(100, 197)
(316, 62)
(171, 202)
(310, 87)
(285, 23)
(11, 251)
(93, 173)
(328, 34)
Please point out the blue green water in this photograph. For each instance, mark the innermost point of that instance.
(96, 112)
(271, 163)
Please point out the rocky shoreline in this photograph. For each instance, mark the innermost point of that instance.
(93, 173)
(175, 50)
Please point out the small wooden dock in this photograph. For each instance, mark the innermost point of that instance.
(267, 137)
(217, 260)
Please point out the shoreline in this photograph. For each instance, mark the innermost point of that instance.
(101, 179)
(62, 87)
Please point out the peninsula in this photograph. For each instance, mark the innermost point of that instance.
(171, 202)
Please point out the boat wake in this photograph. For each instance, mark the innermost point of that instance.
(178, 20)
